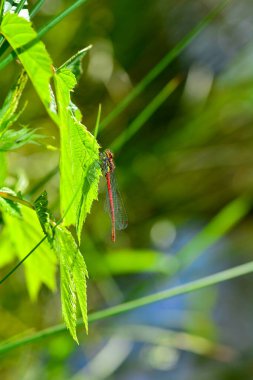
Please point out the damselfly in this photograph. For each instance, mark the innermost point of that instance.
(114, 204)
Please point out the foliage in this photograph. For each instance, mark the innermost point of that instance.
(8, 206)
(41, 208)
(33, 56)
(73, 279)
(24, 234)
(8, 114)
(79, 160)
(175, 173)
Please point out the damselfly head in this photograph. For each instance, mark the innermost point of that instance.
(106, 161)
(110, 156)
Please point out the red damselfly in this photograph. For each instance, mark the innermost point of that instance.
(114, 204)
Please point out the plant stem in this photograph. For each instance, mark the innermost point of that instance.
(36, 8)
(21, 262)
(96, 130)
(60, 17)
(131, 305)
(1, 9)
(20, 6)
(13, 198)
(16, 199)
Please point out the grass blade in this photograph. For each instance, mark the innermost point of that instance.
(60, 17)
(145, 114)
(96, 130)
(20, 6)
(36, 8)
(214, 279)
(1, 9)
(163, 63)
(22, 261)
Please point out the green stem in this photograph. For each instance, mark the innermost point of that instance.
(1, 9)
(145, 114)
(131, 305)
(96, 130)
(28, 204)
(45, 29)
(21, 261)
(36, 8)
(163, 63)
(59, 18)
(13, 198)
(20, 6)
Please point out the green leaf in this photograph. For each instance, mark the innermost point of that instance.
(1, 9)
(41, 208)
(12, 139)
(3, 168)
(7, 252)
(8, 206)
(33, 56)
(73, 279)
(74, 64)
(79, 161)
(24, 234)
(8, 113)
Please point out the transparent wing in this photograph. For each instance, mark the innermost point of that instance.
(121, 219)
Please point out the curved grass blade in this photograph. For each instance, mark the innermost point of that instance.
(189, 287)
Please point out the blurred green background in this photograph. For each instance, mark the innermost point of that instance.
(188, 162)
